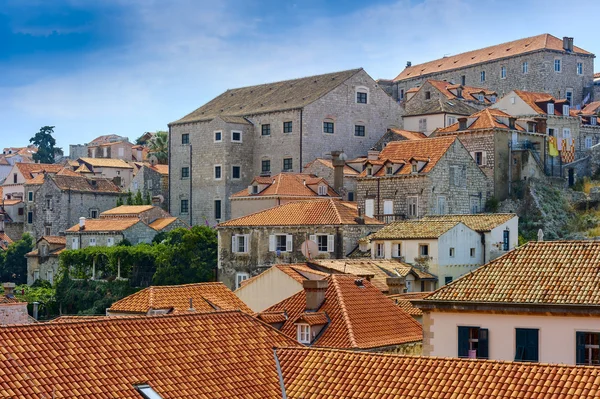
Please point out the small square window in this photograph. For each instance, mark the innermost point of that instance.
(472, 252)
(359, 130)
(266, 130)
(482, 77)
(236, 172)
(479, 158)
(287, 127)
(328, 127)
(92, 242)
(265, 166)
(184, 206)
(580, 68)
(236, 136)
(218, 137)
(94, 214)
(424, 250)
(361, 97)
(217, 209)
(451, 252)
(557, 66)
(427, 95)
(185, 172)
(287, 164)
(217, 172)
(185, 138)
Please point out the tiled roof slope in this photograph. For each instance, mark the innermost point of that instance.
(102, 225)
(57, 240)
(413, 229)
(206, 297)
(269, 97)
(161, 223)
(552, 273)
(488, 118)
(85, 185)
(210, 355)
(127, 210)
(409, 135)
(336, 374)
(432, 149)
(441, 106)
(106, 163)
(468, 92)
(361, 317)
(288, 184)
(492, 53)
(591, 108)
(297, 271)
(303, 213)
(534, 100)
(162, 169)
(5, 241)
(348, 171)
(404, 302)
(29, 170)
(479, 222)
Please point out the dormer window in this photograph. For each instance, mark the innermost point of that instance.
(414, 168)
(369, 171)
(550, 109)
(593, 120)
(389, 170)
(480, 97)
(492, 99)
(255, 189)
(147, 392)
(322, 190)
(303, 333)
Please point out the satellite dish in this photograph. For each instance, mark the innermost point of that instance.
(153, 160)
(309, 249)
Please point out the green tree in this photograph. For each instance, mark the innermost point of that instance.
(45, 144)
(14, 263)
(138, 200)
(129, 199)
(119, 201)
(159, 147)
(147, 198)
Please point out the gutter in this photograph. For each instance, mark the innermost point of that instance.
(170, 171)
(547, 309)
(301, 162)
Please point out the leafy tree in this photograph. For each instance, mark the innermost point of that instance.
(147, 198)
(159, 147)
(129, 198)
(138, 200)
(119, 201)
(45, 144)
(13, 265)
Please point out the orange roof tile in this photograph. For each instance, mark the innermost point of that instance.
(348, 170)
(303, 213)
(551, 273)
(5, 240)
(96, 225)
(127, 210)
(272, 317)
(468, 92)
(30, 170)
(409, 135)
(403, 151)
(10, 202)
(300, 271)
(106, 163)
(161, 223)
(206, 297)
(58, 240)
(591, 108)
(312, 318)
(83, 184)
(288, 185)
(340, 374)
(414, 229)
(535, 101)
(480, 222)
(361, 317)
(162, 169)
(404, 301)
(492, 53)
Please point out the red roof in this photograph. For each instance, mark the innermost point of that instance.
(488, 118)
(288, 185)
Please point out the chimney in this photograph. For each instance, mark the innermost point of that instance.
(462, 123)
(315, 293)
(540, 235)
(408, 64)
(360, 219)
(372, 155)
(511, 123)
(9, 290)
(191, 309)
(81, 223)
(338, 159)
(395, 285)
(1, 222)
(568, 43)
(36, 308)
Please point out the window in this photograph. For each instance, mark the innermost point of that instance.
(287, 127)
(423, 125)
(236, 172)
(423, 249)
(74, 243)
(94, 214)
(29, 217)
(475, 202)
(185, 172)
(92, 242)
(15, 178)
(441, 205)
(328, 127)
(217, 172)
(36, 275)
(473, 342)
(350, 196)
(361, 97)
(550, 109)
(588, 142)
(389, 170)
(526, 344)
(566, 133)
(287, 164)
(359, 130)
(30, 196)
(492, 99)
(557, 65)
(427, 95)
(185, 138)
(236, 136)
(580, 68)
(401, 94)
(463, 80)
(369, 207)
(304, 333)
(413, 206)
(147, 392)
(588, 348)
(481, 98)
(239, 243)
(50, 276)
(479, 158)
(184, 207)
(266, 130)
(565, 110)
(472, 252)
(105, 152)
(48, 203)
(255, 189)
(503, 72)
(379, 250)
(482, 76)
(322, 190)
(218, 136)
(451, 120)
(280, 243)
(369, 171)
(149, 184)
(217, 209)
(569, 98)
(458, 175)
(505, 240)
(265, 166)
(322, 243)
(451, 254)
(409, 286)
(396, 250)
(525, 67)
(593, 120)
(447, 279)
(110, 241)
(48, 230)
(239, 277)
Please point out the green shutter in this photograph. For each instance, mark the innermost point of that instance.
(533, 345)
(463, 341)
(483, 352)
(580, 347)
(527, 344)
(520, 339)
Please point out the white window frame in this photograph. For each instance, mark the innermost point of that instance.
(550, 109)
(396, 249)
(588, 142)
(289, 244)
(410, 205)
(421, 246)
(593, 120)
(92, 242)
(330, 242)
(235, 243)
(239, 277)
(233, 175)
(215, 172)
(241, 140)
(525, 67)
(215, 136)
(580, 68)
(559, 64)
(566, 133)
(451, 120)
(121, 152)
(566, 109)
(74, 242)
(422, 125)
(303, 333)
(322, 189)
(36, 275)
(379, 250)
(369, 207)
(110, 241)
(503, 72)
(361, 89)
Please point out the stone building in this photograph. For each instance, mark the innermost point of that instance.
(110, 146)
(397, 135)
(61, 200)
(108, 232)
(589, 130)
(323, 167)
(251, 244)
(117, 170)
(413, 178)
(154, 180)
(154, 216)
(216, 150)
(22, 173)
(13, 213)
(502, 147)
(12, 310)
(42, 262)
(542, 63)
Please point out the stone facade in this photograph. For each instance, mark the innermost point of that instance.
(349, 181)
(304, 143)
(117, 150)
(42, 262)
(136, 234)
(149, 180)
(258, 257)
(77, 151)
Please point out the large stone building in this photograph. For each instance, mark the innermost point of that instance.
(542, 63)
(216, 150)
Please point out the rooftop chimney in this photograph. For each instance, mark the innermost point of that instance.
(540, 235)
(315, 293)
(372, 155)
(9, 290)
(338, 159)
(360, 219)
(191, 309)
(408, 64)
(568, 43)
(36, 308)
(395, 285)
(81, 223)
(462, 123)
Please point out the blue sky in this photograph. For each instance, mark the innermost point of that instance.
(130, 66)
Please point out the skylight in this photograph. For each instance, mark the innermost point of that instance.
(147, 392)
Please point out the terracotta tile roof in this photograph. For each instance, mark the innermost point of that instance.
(378, 269)
(83, 169)
(300, 271)
(84, 184)
(30, 170)
(288, 185)
(269, 97)
(348, 170)
(303, 213)
(3, 160)
(404, 301)
(210, 356)
(480, 222)
(360, 317)
(97, 225)
(206, 297)
(106, 139)
(337, 374)
(6, 300)
(537, 101)
(272, 317)
(441, 106)
(591, 108)
(403, 151)
(413, 229)
(127, 210)
(162, 169)
(5, 241)
(489, 118)
(468, 92)
(409, 135)
(58, 240)
(161, 223)
(106, 163)
(11, 202)
(597, 75)
(553, 273)
(312, 318)
(492, 53)
(72, 318)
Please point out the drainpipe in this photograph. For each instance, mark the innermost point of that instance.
(378, 181)
(509, 166)
(339, 248)
(483, 243)
(170, 171)
(301, 163)
(190, 205)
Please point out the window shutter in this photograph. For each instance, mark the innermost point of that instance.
(313, 238)
(288, 243)
(233, 242)
(580, 349)
(395, 250)
(272, 243)
(463, 341)
(520, 339)
(533, 347)
(330, 243)
(482, 352)
(246, 243)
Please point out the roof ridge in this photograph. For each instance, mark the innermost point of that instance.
(343, 310)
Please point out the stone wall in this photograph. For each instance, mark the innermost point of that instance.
(14, 313)
(320, 170)
(43, 265)
(14, 230)
(149, 180)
